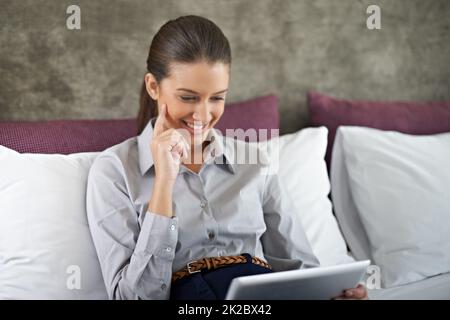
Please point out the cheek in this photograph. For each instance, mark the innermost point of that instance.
(218, 110)
(177, 110)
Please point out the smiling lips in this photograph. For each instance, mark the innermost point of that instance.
(196, 126)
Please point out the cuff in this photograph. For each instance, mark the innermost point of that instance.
(158, 236)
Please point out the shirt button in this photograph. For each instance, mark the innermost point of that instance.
(172, 227)
(168, 249)
(202, 204)
(163, 286)
(211, 235)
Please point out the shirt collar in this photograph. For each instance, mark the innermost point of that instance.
(216, 150)
(144, 143)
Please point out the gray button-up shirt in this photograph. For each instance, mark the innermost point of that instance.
(226, 209)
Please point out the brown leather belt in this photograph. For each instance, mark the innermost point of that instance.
(214, 263)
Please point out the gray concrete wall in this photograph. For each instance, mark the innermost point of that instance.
(284, 47)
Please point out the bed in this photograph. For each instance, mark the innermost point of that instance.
(61, 263)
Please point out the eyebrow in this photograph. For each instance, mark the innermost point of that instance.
(192, 91)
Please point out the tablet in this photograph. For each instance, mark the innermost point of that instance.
(305, 284)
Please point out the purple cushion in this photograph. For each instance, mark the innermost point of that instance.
(71, 136)
(65, 136)
(419, 118)
(258, 113)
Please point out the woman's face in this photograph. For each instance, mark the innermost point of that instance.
(195, 96)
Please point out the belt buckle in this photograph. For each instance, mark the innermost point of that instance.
(188, 265)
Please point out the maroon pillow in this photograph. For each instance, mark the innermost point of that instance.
(408, 117)
(65, 136)
(258, 113)
(70, 136)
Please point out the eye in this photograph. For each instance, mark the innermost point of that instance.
(188, 98)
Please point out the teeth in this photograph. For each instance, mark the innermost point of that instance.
(195, 126)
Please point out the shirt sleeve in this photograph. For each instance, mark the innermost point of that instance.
(285, 244)
(135, 254)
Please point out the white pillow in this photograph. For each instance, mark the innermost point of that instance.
(44, 235)
(303, 171)
(400, 188)
(46, 251)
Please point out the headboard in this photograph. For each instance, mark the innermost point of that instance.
(279, 47)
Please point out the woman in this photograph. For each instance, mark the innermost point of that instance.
(170, 214)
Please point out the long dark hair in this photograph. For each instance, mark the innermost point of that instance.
(187, 39)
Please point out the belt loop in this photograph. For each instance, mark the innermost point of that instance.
(248, 257)
(208, 263)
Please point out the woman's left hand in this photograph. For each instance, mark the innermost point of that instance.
(358, 293)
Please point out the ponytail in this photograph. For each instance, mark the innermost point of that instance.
(147, 109)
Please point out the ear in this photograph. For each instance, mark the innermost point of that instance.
(152, 86)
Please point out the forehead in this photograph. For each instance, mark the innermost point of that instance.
(201, 77)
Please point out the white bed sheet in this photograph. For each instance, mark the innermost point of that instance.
(434, 288)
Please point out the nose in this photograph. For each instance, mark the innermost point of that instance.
(201, 112)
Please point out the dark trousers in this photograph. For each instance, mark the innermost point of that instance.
(213, 284)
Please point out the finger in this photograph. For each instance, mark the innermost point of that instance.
(178, 148)
(181, 148)
(186, 148)
(176, 157)
(186, 137)
(183, 151)
(360, 292)
(349, 293)
(176, 141)
(357, 293)
(160, 121)
(177, 137)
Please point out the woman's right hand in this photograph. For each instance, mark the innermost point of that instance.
(168, 147)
